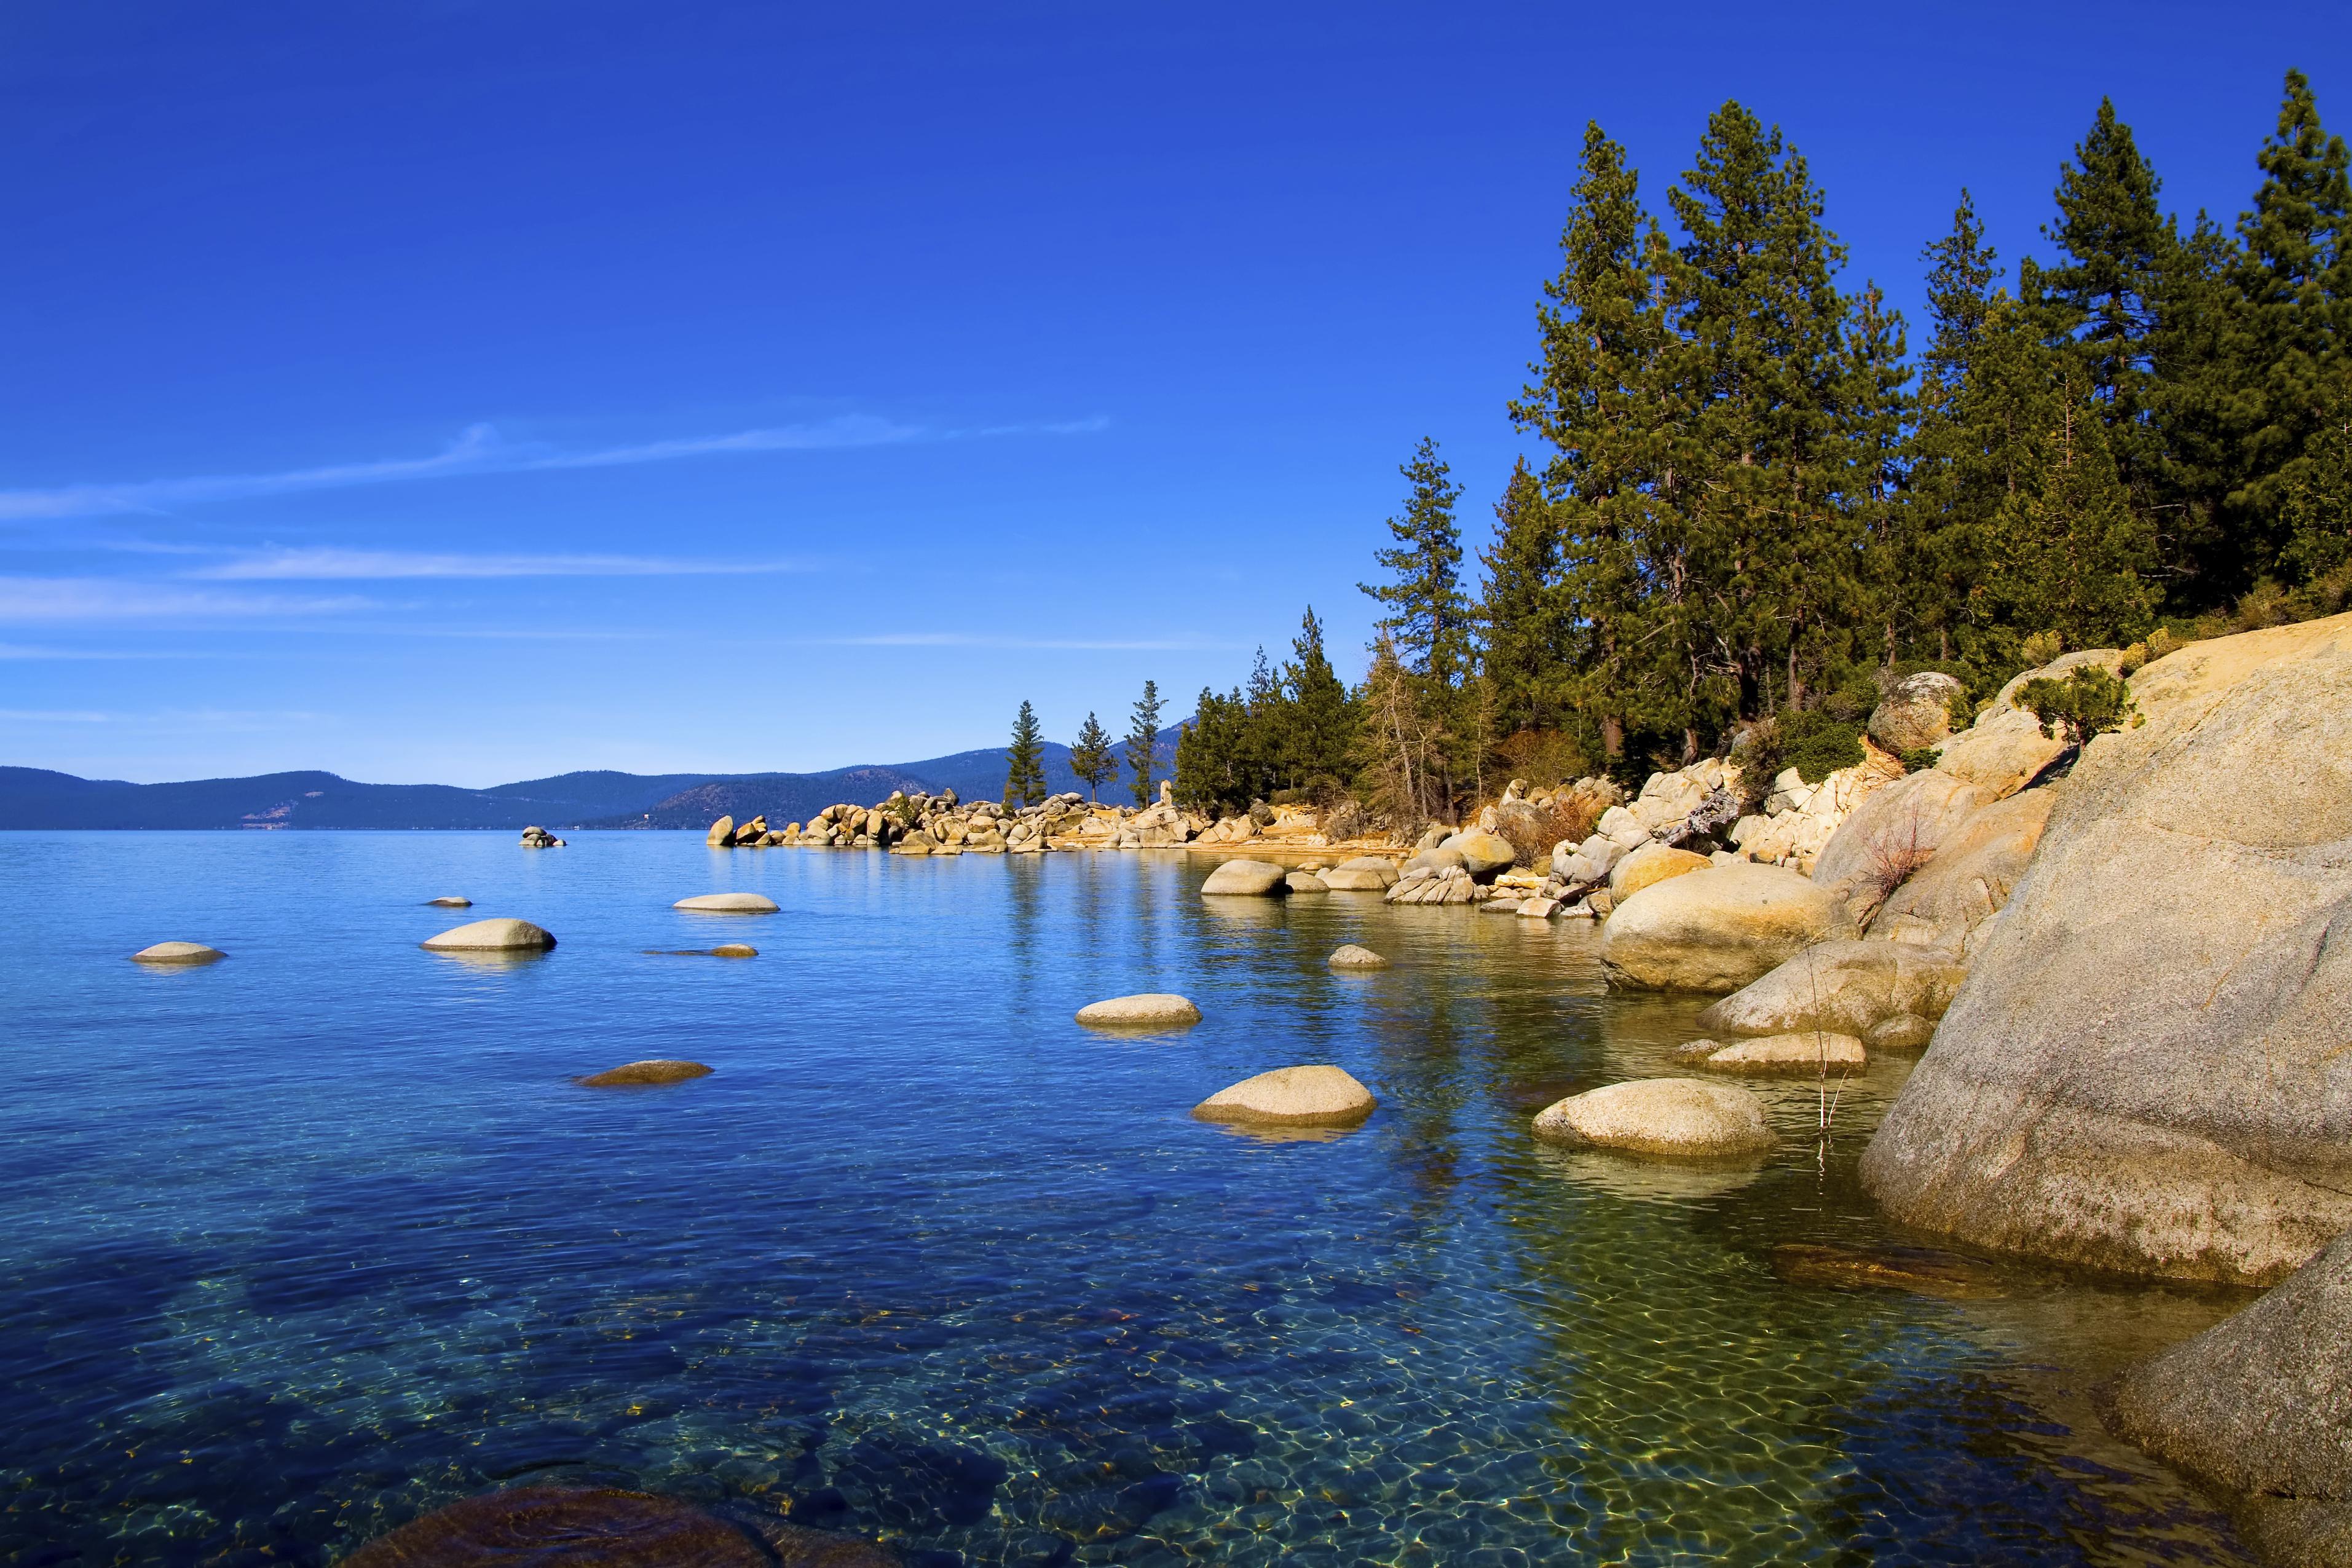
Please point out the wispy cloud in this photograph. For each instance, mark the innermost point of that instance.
(967, 640)
(52, 715)
(34, 650)
(479, 449)
(65, 599)
(324, 564)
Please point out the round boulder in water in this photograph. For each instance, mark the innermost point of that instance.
(629, 1075)
(1677, 1116)
(1354, 957)
(734, 950)
(1144, 1009)
(491, 937)
(728, 903)
(177, 953)
(452, 902)
(1815, 1050)
(1291, 1097)
(1255, 879)
(563, 1527)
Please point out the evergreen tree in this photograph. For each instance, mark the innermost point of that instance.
(1935, 562)
(1025, 774)
(1960, 273)
(1527, 639)
(1211, 756)
(1091, 758)
(1265, 708)
(2293, 279)
(1879, 412)
(1322, 722)
(1763, 550)
(1599, 398)
(1143, 742)
(2317, 509)
(1427, 613)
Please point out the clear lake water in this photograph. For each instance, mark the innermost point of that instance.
(306, 1243)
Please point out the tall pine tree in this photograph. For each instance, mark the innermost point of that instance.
(1322, 730)
(1091, 757)
(1938, 559)
(1143, 742)
(1428, 614)
(1024, 772)
(1526, 642)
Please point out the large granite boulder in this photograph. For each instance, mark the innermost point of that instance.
(177, 953)
(1482, 854)
(2261, 1405)
(1916, 712)
(1894, 831)
(641, 1074)
(1248, 879)
(728, 903)
(1650, 864)
(1968, 882)
(2146, 1069)
(1802, 1055)
(1684, 1117)
(491, 937)
(1291, 1097)
(722, 831)
(1718, 929)
(1144, 1009)
(1848, 988)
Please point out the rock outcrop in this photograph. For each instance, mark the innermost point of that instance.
(1291, 1097)
(1354, 957)
(1917, 712)
(538, 838)
(1894, 831)
(1976, 866)
(490, 936)
(1719, 928)
(636, 1074)
(2261, 1405)
(177, 953)
(1144, 1009)
(1683, 1117)
(1846, 987)
(2146, 1069)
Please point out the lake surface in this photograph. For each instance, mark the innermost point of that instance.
(311, 1241)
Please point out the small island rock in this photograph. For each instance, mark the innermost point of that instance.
(734, 950)
(654, 1071)
(1814, 1051)
(452, 902)
(1687, 1117)
(1354, 957)
(1291, 1097)
(490, 936)
(177, 953)
(728, 903)
(1248, 879)
(1144, 1007)
(722, 831)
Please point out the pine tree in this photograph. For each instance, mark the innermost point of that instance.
(1143, 742)
(1935, 559)
(2102, 300)
(1960, 274)
(2317, 512)
(1600, 397)
(1877, 411)
(1528, 640)
(1211, 756)
(1399, 748)
(2293, 279)
(1091, 757)
(1428, 615)
(1322, 732)
(1025, 774)
(1766, 551)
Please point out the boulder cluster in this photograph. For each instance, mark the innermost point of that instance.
(538, 838)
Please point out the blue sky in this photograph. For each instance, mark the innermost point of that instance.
(465, 393)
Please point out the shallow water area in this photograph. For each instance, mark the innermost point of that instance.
(309, 1241)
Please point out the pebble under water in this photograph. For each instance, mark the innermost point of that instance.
(306, 1243)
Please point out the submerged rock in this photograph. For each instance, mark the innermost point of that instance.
(1719, 928)
(2261, 1405)
(1291, 1097)
(728, 903)
(1778, 1055)
(734, 950)
(1305, 882)
(177, 953)
(450, 902)
(654, 1071)
(1354, 957)
(1849, 987)
(1144, 1007)
(490, 936)
(1686, 1117)
(564, 1527)
(1921, 1271)
(1248, 879)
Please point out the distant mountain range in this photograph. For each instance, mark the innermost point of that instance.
(37, 797)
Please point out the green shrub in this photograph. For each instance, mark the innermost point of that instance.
(2040, 649)
(1918, 759)
(1817, 744)
(1960, 711)
(2087, 702)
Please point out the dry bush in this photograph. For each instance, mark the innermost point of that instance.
(1533, 829)
(1896, 854)
(1345, 820)
(1546, 759)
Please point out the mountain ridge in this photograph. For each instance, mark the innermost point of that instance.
(43, 798)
